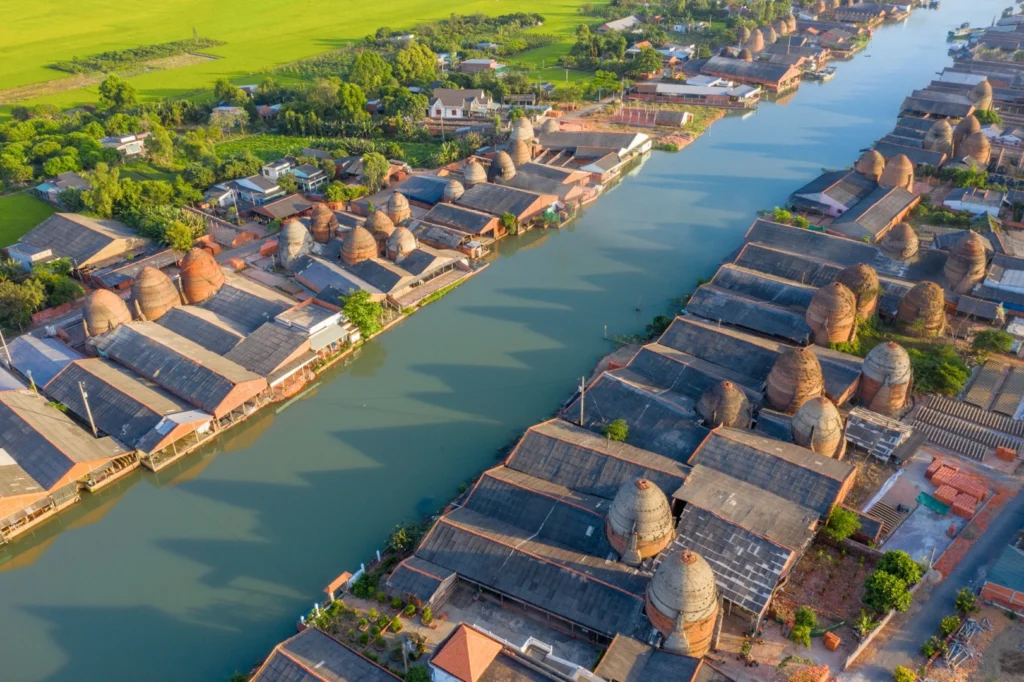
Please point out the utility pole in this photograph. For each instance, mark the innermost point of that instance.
(7, 353)
(88, 412)
(583, 394)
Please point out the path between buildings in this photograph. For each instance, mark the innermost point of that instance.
(930, 605)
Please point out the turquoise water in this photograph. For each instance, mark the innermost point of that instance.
(199, 570)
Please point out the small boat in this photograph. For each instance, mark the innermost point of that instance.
(963, 31)
(823, 75)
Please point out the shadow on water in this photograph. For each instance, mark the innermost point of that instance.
(204, 575)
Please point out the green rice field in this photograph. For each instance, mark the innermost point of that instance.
(19, 213)
(257, 35)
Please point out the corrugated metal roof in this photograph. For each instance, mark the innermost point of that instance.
(460, 218)
(43, 442)
(246, 304)
(732, 307)
(180, 366)
(604, 596)
(296, 659)
(267, 348)
(752, 508)
(576, 458)
(419, 578)
(1008, 571)
(875, 213)
(498, 199)
(664, 423)
(790, 471)
(43, 358)
(123, 405)
(629, 660)
(204, 327)
(75, 236)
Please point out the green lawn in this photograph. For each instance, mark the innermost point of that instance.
(256, 35)
(19, 213)
(143, 170)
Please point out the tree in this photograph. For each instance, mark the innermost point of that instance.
(287, 183)
(606, 80)
(104, 190)
(14, 170)
(901, 674)
(646, 63)
(415, 64)
(992, 341)
(781, 215)
(363, 312)
(337, 191)
(117, 94)
(842, 523)
(417, 673)
(801, 634)
(369, 71)
(988, 116)
(198, 175)
(227, 119)
(178, 236)
(401, 103)
(966, 602)
(899, 564)
(19, 301)
(617, 430)
(805, 616)
(352, 103)
(375, 168)
(703, 52)
(229, 94)
(159, 146)
(884, 592)
(509, 223)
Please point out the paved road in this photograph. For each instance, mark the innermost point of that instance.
(903, 647)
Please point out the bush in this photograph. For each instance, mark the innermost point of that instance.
(992, 341)
(364, 638)
(899, 564)
(901, 674)
(410, 610)
(986, 116)
(381, 597)
(805, 616)
(374, 614)
(383, 622)
(801, 634)
(417, 673)
(396, 624)
(884, 591)
(375, 630)
(966, 602)
(396, 603)
(352, 636)
(618, 430)
(427, 616)
(781, 215)
(380, 642)
(938, 370)
(800, 221)
(363, 624)
(842, 523)
(949, 625)
(865, 624)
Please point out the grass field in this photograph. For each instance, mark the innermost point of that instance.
(257, 34)
(273, 147)
(19, 213)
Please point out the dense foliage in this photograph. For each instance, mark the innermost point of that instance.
(842, 523)
(362, 311)
(132, 56)
(992, 341)
(617, 430)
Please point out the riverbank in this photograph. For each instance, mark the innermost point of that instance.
(242, 535)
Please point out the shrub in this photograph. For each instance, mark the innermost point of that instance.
(884, 591)
(899, 564)
(374, 614)
(938, 370)
(805, 616)
(383, 622)
(992, 341)
(781, 215)
(842, 523)
(396, 624)
(428, 616)
(966, 602)
(929, 648)
(375, 630)
(901, 674)
(396, 603)
(865, 624)
(800, 221)
(417, 673)
(380, 642)
(949, 625)
(363, 624)
(352, 634)
(381, 597)
(364, 638)
(618, 430)
(410, 610)
(801, 634)
(372, 656)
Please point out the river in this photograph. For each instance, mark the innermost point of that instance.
(200, 569)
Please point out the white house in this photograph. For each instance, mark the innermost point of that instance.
(128, 145)
(449, 103)
(257, 189)
(976, 201)
(1004, 135)
(275, 169)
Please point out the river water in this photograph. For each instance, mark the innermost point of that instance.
(199, 570)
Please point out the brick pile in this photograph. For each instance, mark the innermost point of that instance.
(943, 476)
(945, 494)
(965, 484)
(832, 641)
(1006, 454)
(933, 467)
(964, 505)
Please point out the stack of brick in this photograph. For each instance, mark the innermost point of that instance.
(946, 494)
(831, 641)
(933, 467)
(943, 476)
(964, 505)
(1006, 454)
(965, 484)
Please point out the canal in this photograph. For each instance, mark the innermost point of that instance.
(199, 570)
